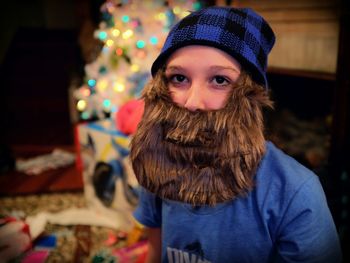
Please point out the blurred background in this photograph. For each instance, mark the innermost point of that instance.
(63, 73)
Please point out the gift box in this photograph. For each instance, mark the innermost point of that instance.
(14, 238)
(103, 159)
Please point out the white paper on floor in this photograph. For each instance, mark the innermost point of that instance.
(76, 216)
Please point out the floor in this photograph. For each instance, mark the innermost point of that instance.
(75, 243)
(54, 191)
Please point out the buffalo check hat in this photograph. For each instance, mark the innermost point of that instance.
(240, 32)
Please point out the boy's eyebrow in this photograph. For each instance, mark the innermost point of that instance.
(224, 67)
(171, 68)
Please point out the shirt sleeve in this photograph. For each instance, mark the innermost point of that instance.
(149, 209)
(307, 232)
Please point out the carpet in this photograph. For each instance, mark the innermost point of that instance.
(73, 243)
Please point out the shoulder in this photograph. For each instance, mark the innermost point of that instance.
(282, 183)
(294, 207)
(279, 168)
(278, 160)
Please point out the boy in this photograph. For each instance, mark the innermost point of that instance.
(213, 189)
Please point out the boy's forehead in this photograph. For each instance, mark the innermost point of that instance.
(202, 56)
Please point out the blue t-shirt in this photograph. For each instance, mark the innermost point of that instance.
(285, 218)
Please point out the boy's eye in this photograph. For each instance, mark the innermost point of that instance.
(220, 80)
(177, 78)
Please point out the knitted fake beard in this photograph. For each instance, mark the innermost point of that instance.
(201, 157)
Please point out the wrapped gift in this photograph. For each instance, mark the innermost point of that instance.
(103, 157)
(135, 253)
(14, 238)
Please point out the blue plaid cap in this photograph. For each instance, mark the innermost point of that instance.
(241, 33)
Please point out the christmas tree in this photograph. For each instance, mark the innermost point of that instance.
(132, 33)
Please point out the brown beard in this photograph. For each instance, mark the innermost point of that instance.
(201, 157)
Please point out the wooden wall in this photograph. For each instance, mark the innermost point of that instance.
(306, 31)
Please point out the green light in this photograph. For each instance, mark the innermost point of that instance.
(107, 103)
(85, 115)
(125, 19)
(197, 6)
(102, 70)
(140, 44)
(153, 40)
(102, 35)
(91, 82)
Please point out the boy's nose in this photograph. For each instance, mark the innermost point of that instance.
(194, 100)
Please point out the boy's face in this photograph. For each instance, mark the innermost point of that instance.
(201, 137)
(201, 77)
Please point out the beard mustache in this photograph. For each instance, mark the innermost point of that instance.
(201, 157)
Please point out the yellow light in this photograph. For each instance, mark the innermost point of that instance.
(135, 68)
(119, 87)
(176, 10)
(127, 34)
(161, 16)
(109, 42)
(116, 32)
(81, 105)
(102, 84)
(185, 13)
